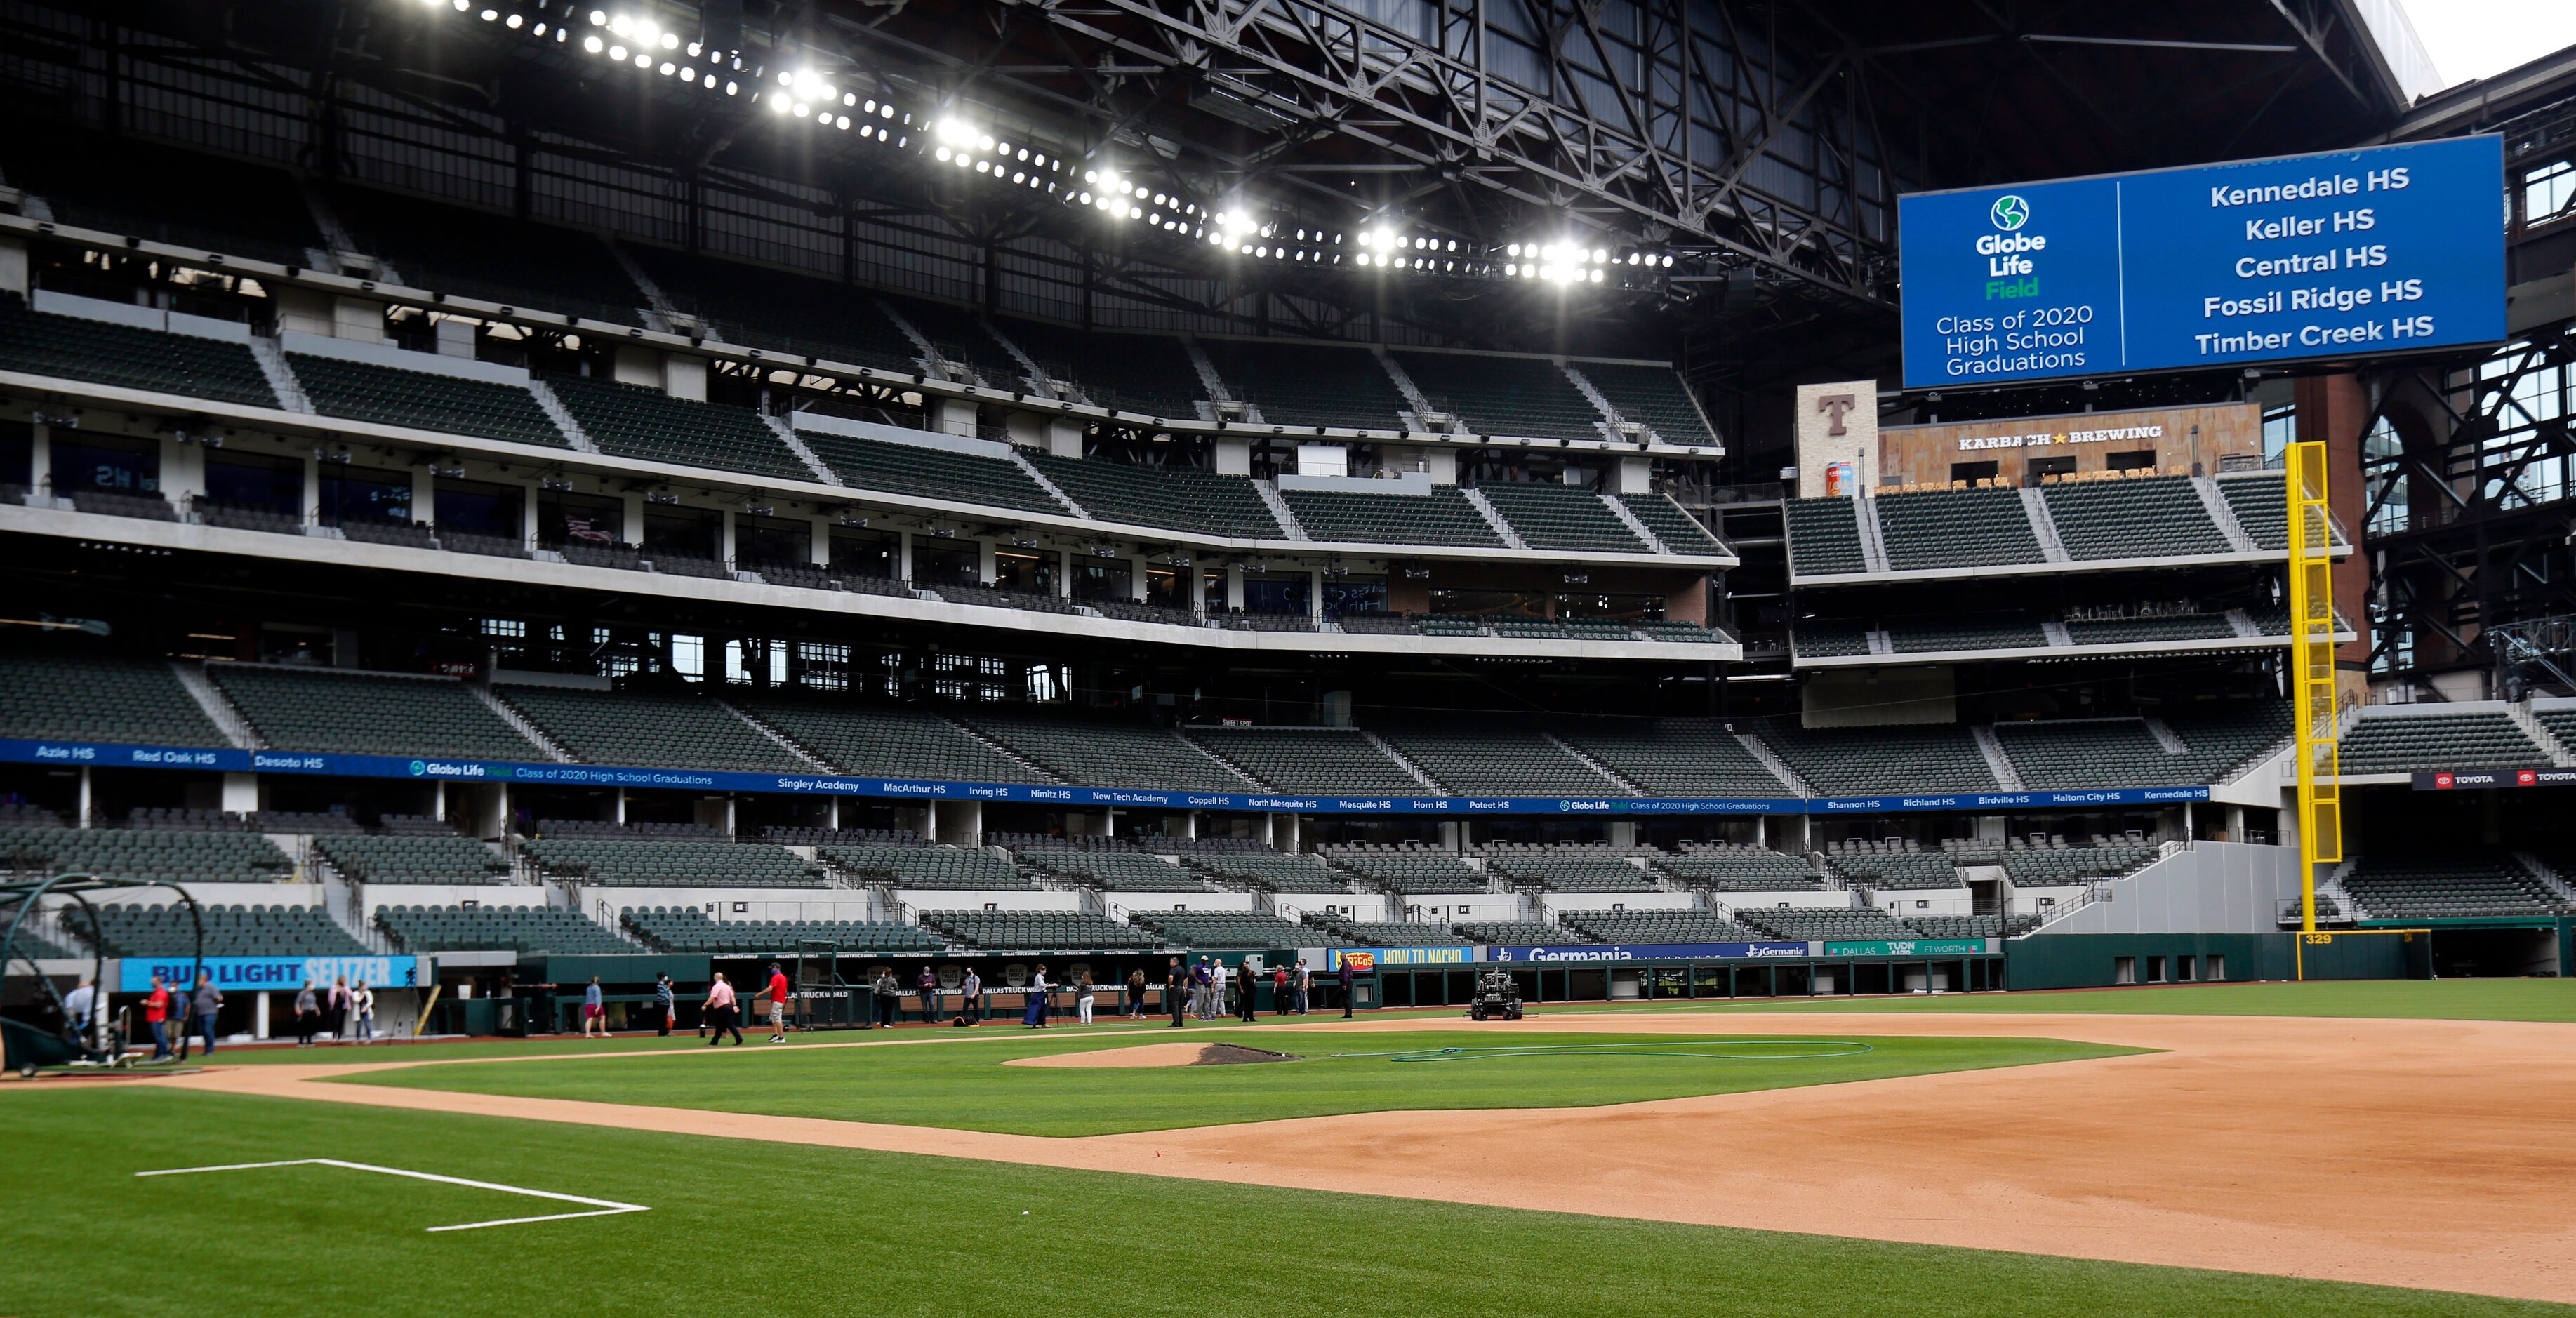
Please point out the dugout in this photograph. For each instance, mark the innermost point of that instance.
(1768, 977)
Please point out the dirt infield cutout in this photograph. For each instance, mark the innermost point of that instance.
(1159, 1054)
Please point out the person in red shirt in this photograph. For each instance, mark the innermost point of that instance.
(777, 1004)
(156, 1014)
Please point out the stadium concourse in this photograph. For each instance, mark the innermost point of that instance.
(528, 519)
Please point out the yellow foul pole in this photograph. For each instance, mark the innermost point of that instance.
(2312, 673)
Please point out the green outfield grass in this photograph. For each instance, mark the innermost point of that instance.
(741, 1227)
(963, 1083)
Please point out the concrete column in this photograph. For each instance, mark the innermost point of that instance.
(312, 489)
(724, 538)
(1190, 823)
(85, 806)
(1629, 475)
(241, 793)
(1315, 595)
(40, 459)
(438, 801)
(987, 570)
(357, 319)
(2235, 823)
(953, 416)
(2336, 409)
(424, 495)
(1136, 578)
(528, 512)
(13, 266)
(831, 812)
(633, 517)
(1623, 832)
(1234, 457)
(684, 376)
(1233, 586)
(259, 1014)
(1063, 437)
(1064, 574)
(455, 338)
(821, 550)
(621, 805)
(183, 471)
(1025, 428)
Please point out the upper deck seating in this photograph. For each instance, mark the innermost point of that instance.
(1824, 537)
(892, 741)
(1561, 517)
(2436, 741)
(1175, 498)
(129, 356)
(1336, 761)
(2159, 518)
(936, 473)
(635, 421)
(75, 692)
(424, 400)
(322, 709)
(649, 729)
(1956, 528)
(1442, 517)
(1869, 761)
(1654, 395)
(1522, 396)
(1299, 384)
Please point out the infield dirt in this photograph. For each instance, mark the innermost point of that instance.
(2431, 1154)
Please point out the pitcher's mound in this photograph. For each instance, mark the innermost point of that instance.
(1159, 1054)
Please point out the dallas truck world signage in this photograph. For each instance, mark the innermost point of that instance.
(2339, 255)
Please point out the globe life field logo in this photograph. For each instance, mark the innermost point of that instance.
(2010, 272)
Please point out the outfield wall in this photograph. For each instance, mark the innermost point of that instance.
(2066, 961)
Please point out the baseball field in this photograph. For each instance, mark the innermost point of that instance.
(2258, 1149)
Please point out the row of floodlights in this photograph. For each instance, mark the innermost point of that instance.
(639, 41)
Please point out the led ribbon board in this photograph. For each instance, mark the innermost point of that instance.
(2338, 255)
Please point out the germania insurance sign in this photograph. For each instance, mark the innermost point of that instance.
(2346, 254)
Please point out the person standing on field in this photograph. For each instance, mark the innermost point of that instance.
(205, 1003)
(928, 982)
(1035, 1016)
(1175, 991)
(308, 1015)
(970, 998)
(717, 1015)
(156, 1016)
(1305, 984)
(594, 1010)
(1250, 984)
(1136, 994)
(889, 996)
(1347, 977)
(362, 1013)
(777, 1004)
(665, 1006)
(1083, 989)
(1279, 1002)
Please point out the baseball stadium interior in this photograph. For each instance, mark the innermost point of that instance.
(521, 490)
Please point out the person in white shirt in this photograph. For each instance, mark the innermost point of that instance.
(1216, 990)
(85, 1011)
(362, 1013)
